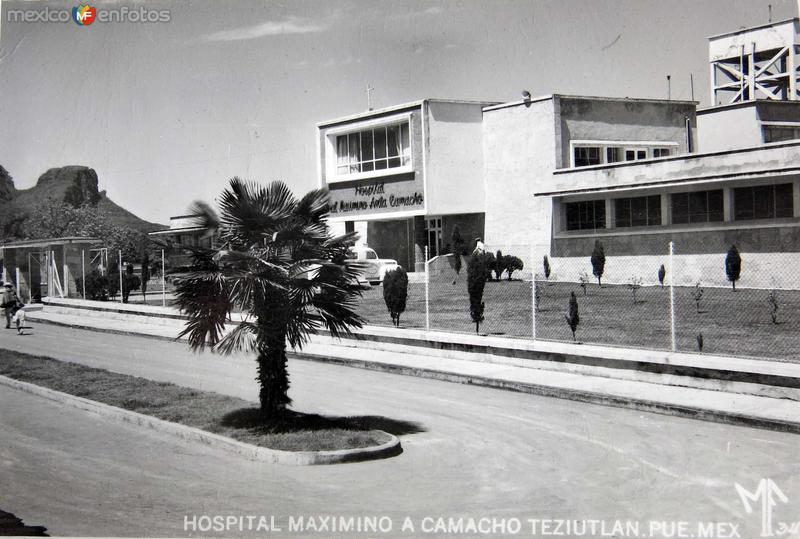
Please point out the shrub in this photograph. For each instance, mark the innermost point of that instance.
(733, 266)
(499, 264)
(546, 263)
(512, 264)
(97, 286)
(774, 304)
(538, 291)
(130, 282)
(489, 263)
(145, 274)
(697, 295)
(458, 248)
(573, 319)
(477, 270)
(699, 339)
(634, 284)
(598, 260)
(395, 293)
(662, 272)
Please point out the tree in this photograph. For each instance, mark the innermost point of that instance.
(697, 295)
(598, 260)
(97, 285)
(733, 266)
(130, 282)
(546, 264)
(573, 319)
(499, 264)
(512, 264)
(395, 293)
(145, 274)
(634, 284)
(477, 270)
(662, 272)
(275, 261)
(489, 264)
(458, 248)
(774, 305)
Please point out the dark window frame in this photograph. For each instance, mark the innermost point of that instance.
(585, 215)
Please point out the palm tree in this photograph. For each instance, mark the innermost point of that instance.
(276, 262)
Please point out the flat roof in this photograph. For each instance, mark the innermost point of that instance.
(589, 97)
(50, 241)
(176, 231)
(401, 106)
(751, 28)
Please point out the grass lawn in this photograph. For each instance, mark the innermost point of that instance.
(732, 323)
(212, 412)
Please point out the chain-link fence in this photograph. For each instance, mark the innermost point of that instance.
(724, 303)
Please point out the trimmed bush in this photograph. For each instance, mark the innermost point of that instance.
(512, 264)
(499, 265)
(546, 264)
(395, 293)
(458, 248)
(573, 319)
(97, 286)
(598, 260)
(733, 266)
(477, 270)
(489, 263)
(662, 272)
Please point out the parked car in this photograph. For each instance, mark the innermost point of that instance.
(376, 266)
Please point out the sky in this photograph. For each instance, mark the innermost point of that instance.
(167, 112)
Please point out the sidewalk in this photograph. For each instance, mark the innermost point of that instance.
(746, 392)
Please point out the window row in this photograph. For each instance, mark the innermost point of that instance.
(368, 150)
(758, 202)
(587, 155)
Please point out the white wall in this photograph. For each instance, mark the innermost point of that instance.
(519, 152)
(726, 129)
(454, 165)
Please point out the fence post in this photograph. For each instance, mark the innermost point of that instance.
(533, 296)
(120, 275)
(427, 298)
(83, 271)
(163, 282)
(30, 279)
(673, 343)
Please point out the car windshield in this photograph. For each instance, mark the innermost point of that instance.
(371, 255)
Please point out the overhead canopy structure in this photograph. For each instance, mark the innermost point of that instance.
(47, 267)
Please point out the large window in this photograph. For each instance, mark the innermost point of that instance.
(379, 148)
(638, 211)
(587, 215)
(763, 202)
(697, 207)
(777, 133)
(587, 155)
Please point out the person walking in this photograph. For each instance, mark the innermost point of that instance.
(9, 303)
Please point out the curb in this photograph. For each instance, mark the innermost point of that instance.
(632, 403)
(702, 414)
(192, 434)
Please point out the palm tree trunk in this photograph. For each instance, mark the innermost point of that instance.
(272, 374)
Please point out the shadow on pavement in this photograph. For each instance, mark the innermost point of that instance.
(250, 418)
(11, 525)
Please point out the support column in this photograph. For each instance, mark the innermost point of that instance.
(665, 209)
(609, 215)
(791, 70)
(727, 204)
(796, 197)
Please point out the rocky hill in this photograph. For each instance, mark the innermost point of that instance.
(76, 185)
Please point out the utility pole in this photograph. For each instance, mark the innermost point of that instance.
(369, 96)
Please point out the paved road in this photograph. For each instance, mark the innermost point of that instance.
(483, 452)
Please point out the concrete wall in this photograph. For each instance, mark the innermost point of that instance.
(519, 157)
(620, 120)
(727, 128)
(454, 165)
(759, 270)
